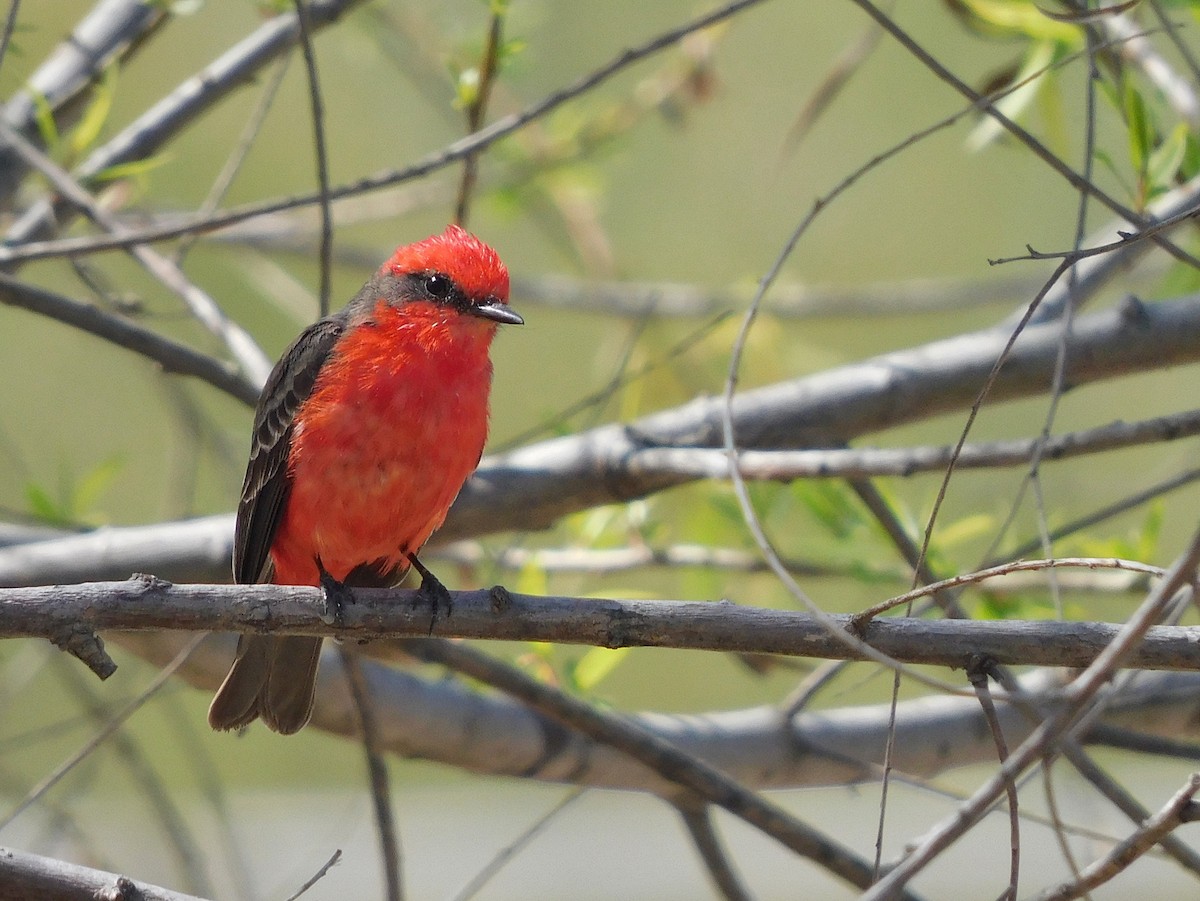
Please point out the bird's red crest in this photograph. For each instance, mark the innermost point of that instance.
(456, 253)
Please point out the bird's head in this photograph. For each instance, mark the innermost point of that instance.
(456, 270)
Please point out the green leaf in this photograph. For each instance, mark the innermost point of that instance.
(87, 492)
(1024, 19)
(832, 504)
(42, 505)
(132, 169)
(966, 529)
(1190, 165)
(43, 117)
(466, 88)
(1141, 136)
(1167, 159)
(532, 579)
(591, 669)
(88, 130)
(1037, 58)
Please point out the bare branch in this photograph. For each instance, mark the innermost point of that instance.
(977, 674)
(671, 763)
(316, 877)
(381, 796)
(1080, 693)
(241, 69)
(318, 122)
(441, 719)
(114, 723)
(145, 603)
(863, 462)
(1180, 809)
(24, 875)
(1025, 137)
(243, 347)
(112, 30)
(181, 108)
(531, 487)
(190, 550)
(507, 853)
(698, 820)
(486, 74)
(171, 356)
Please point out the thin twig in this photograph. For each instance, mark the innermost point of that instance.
(237, 156)
(1058, 826)
(1067, 319)
(318, 124)
(1131, 502)
(447, 156)
(1180, 809)
(10, 23)
(385, 823)
(128, 750)
(182, 107)
(1021, 134)
(170, 355)
(513, 848)
(682, 769)
(1125, 801)
(977, 674)
(909, 550)
(697, 817)
(1000, 569)
(1078, 696)
(476, 110)
(1182, 47)
(238, 341)
(114, 723)
(317, 876)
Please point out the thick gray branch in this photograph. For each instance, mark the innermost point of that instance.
(192, 550)
(760, 747)
(24, 876)
(531, 487)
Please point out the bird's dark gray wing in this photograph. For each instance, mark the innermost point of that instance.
(267, 482)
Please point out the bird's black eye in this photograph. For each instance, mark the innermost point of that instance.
(437, 285)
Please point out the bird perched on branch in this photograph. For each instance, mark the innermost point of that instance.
(366, 430)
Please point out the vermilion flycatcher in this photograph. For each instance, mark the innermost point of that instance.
(365, 432)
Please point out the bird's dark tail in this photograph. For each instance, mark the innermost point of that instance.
(272, 677)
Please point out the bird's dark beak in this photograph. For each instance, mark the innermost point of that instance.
(497, 311)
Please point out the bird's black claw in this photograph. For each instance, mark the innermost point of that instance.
(337, 596)
(433, 591)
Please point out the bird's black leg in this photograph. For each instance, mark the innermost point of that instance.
(337, 596)
(432, 590)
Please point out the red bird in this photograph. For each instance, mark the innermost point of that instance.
(365, 432)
